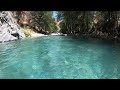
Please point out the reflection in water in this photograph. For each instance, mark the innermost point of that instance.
(60, 57)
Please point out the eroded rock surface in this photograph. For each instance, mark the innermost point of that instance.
(9, 29)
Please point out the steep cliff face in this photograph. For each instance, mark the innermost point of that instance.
(9, 29)
(24, 17)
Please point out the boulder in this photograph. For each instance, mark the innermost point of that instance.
(8, 27)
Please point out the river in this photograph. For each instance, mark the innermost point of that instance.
(59, 57)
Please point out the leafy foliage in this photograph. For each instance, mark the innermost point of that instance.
(89, 22)
(40, 21)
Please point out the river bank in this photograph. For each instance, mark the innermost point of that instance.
(100, 37)
(31, 33)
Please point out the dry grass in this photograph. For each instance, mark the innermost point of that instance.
(28, 32)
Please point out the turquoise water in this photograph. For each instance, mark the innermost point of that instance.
(59, 57)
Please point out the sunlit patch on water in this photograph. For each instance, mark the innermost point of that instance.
(34, 67)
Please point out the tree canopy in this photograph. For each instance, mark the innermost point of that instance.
(40, 21)
(89, 22)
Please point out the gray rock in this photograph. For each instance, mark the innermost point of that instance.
(8, 27)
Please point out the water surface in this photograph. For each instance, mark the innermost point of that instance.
(62, 57)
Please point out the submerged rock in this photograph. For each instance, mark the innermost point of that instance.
(8, 27)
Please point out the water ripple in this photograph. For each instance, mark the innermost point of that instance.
(59, 57)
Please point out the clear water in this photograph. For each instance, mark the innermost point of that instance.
(59, 57)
